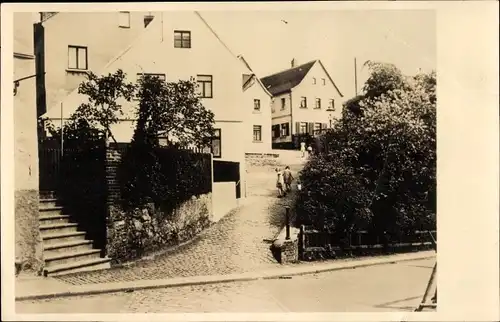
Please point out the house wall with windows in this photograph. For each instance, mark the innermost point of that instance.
(28, 243)
(72, 48)
(323, 101)
(180, 46)
(258, 121)
(306, 101)
(281, 113)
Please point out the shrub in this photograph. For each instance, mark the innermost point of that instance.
(378, 166)
(166, 177)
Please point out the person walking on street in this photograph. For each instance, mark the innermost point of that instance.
(303, 149)
(309, 150)
(288, 178)
(279, 183)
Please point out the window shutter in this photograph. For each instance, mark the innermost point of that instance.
(310, 129)
(297, 128)
(287, 131)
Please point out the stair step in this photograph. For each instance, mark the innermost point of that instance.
(54, 219)
(47, 194)
(69, 257)
(58, 228)
(57, 238)
(78, 266)
(52, 250)
(52, 210)
(49, 202)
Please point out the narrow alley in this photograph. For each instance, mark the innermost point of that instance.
(238, 243)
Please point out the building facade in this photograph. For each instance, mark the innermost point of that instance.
(305, 102)
(180, 46)
(257, 106)
(71, 43)
(28, 248)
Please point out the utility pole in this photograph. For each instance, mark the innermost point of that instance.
(355, 77)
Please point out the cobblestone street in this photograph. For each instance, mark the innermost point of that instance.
(238, 243)
(391, 287)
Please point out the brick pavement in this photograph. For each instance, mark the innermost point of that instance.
(238, 243)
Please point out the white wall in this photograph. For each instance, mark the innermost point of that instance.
(154, 52)
(25, 124)
(262, 118)
(80, 29)
(312, 91)
(223, 199)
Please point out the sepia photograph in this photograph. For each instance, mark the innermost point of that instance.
(225, 161)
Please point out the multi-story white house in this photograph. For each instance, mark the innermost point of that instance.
(179, 46)
(67, 47)
(305, 101)
(257, 102)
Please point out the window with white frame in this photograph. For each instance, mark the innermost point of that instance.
(317, 128)
(303, 127)
(77, 57)
(256, 104)
(283, 103)
(124, 19)
(318, 103)
(331, 105)
(303, 102)
(182, 39)
(216, 146)
(257, 133)
(285, 129)
(205, 85)
(323, 81)
(314, 80)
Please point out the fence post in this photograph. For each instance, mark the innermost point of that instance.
(302, 244)
(287, 222)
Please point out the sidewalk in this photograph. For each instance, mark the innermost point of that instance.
(31, 288)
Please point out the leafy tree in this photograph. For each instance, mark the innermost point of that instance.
(171, 110)
(174, 111)
(93, 119)
(378, 167)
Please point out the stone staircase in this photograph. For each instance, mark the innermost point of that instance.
(65, 249)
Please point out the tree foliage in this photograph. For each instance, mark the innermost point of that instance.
(378, 169)
(92, 119)
(175, 112)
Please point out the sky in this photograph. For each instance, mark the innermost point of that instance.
(406, 38)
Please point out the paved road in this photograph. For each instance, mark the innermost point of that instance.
(237, 243)
(392, 287)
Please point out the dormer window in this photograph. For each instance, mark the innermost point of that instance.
(182, 39)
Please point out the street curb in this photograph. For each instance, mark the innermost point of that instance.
(94, 289)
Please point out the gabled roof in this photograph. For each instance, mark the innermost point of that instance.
(284, 81)
(252, 76)
(54, 111)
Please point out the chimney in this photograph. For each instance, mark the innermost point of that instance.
(293, 63)
(147, 19)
